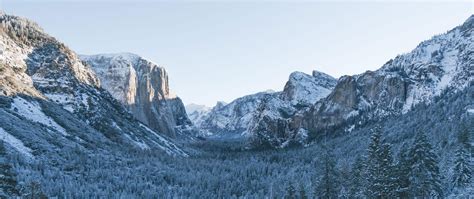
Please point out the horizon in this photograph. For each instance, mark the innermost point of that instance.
(225, 55)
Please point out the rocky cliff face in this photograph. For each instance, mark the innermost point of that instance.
(439, 65)
(142, 87)
(48, 94)
(247, 115)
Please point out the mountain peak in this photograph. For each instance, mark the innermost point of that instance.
(321, 74)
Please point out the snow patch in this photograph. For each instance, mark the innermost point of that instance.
(15, 143)
(32, 111)
(170, 149)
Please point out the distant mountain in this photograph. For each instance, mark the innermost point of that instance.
(243, 114)
(441, 64)
(52, 103)
(196, 112)
(143, 88)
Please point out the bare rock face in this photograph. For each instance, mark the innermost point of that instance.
(142, 87)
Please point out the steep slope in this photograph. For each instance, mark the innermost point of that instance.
(245, 113)
(143, 88)
(42, 78)
(436, 65)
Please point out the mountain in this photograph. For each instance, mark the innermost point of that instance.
(196, 112)
(142, 87)
(441, 64)
(52, 102)
(243, 114)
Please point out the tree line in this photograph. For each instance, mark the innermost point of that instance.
(377, 175)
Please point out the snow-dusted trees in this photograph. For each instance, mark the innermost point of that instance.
(462, 175)
(328, 186)
(402, 173)
(357, 180)
(302, 192)
(8, 183)
(33, 191)
(380, 168)
(290, 192)
(424, 171)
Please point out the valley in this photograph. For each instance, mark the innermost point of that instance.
(110, 126)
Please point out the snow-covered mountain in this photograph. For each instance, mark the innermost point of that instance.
(243, 114)
(143, 88)
(51, 101)
(441, 64)
(196, 112)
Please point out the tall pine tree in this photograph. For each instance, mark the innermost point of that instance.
(402, 172)
(462, 165)
(380, 182)
(357, 181)
(424, 171)
(328, 187)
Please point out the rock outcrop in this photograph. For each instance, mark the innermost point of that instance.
(252, 114)
(142, 87)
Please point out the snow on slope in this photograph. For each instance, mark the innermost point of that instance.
(32, 111)
(169, 147)
(435, 65)
(15, 143)
(307, 89)
(197, 113)
(243, 114)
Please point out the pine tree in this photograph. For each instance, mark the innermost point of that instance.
(328, 186)
(290, 192)
(402, 181)
(380, 174)
(388, 172)
(462, 165)
(357, 185)
(424, 171)
(8, 184)
(303, 192)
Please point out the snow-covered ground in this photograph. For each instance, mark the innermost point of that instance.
(169, 147)
(32, 111)
(471, 110)
(15, 143)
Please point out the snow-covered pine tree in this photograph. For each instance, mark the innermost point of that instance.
(328, 187)
(290, 192)
(358, 182)
(374, 186)
(424, 171)
(380, 174)
(8, 183)
(462, 175)
(302, 192)
(402, 171)
(388, 171)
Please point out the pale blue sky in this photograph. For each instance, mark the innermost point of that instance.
(223, 50)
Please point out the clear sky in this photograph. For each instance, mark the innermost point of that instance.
(218, 51)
